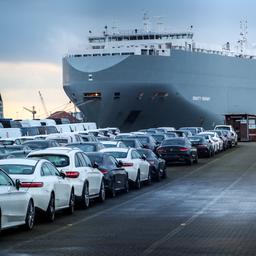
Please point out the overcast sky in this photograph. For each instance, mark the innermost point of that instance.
(36, 34)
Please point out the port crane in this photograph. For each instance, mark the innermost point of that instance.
(33, 111)
(43, 104)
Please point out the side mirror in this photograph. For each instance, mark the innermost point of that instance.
(62, 175)
(17, 184)
(119, 164)
(143, 157)
(95, 165)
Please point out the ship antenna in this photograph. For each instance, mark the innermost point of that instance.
(242, 42)
(146, 22)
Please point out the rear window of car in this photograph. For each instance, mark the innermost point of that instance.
(196, 140)
(96, 158)
(143, 140)
(173, 142)
(56, 160)
(117, 154)
(109, 145)
(147, 153)
(129, 143)
(19, 169)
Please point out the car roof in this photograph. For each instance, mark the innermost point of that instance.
(19, 161)
(115, 149)
(54, 150)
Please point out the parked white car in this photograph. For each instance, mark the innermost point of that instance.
(209, 138)
(216, 138)
(138, 169)
(232, 131)
(16, 207)
(49, 188)
(88, 182)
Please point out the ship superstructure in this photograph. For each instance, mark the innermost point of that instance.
(139, 78)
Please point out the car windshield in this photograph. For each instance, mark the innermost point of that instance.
(118, 154)
(37, 144)
(147, 153)
(84, 147)
(158, 138)
(222, 128)
(109, 145)
(143, 140)
(129, 143)
(96, 158)
(173, 142)
(57, 160)
(18, 169)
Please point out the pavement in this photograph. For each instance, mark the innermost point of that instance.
(204, 209)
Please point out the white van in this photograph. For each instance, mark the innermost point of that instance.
(30, 123)
(10, 132)
(63, 128)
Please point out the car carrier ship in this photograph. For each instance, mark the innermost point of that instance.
(140, 78)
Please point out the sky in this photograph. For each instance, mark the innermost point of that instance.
(36, 34)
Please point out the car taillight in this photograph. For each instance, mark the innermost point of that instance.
(72, 175)
(183, 149)
(127, 164)
(31, 184)
(104, 171)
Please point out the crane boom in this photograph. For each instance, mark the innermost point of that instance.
(43, 104)
(33, 111)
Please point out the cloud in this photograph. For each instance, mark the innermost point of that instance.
(20, 83)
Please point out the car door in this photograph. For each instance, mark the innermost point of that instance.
(94, 175)
(141, 163)
(62, 186)
(13, 203)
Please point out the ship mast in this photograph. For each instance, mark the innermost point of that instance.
(242, 42)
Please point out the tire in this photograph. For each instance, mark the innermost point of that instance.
(50, 213)
(113, 190)
(85, 198)
(102, 194)
(137, 182)
(126, 185)
(190, 161)
(164, 175)
(30, 216)
(149, 180)
(196, 160)
(158, 176)
(71, 207)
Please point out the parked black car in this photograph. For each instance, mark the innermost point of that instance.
(87, 146)
(178, 150)
(157, 164)
(204, 147)
(115, 177)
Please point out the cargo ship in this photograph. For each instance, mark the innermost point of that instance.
(141, 78)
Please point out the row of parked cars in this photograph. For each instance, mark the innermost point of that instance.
(54, 173)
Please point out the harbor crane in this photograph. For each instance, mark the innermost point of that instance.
(43, 104)
(33, 111)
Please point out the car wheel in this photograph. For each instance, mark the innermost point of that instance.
(102, 194)
(30, 216)
(127, 185)
(50, 213)
(196, 159)
(113, 189)
(137, 182)
(190, 161)
(85, 201)
(164, 175)
(71, 207)
(149, 180)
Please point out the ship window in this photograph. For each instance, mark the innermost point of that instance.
(151, 36)
(77, 55)
(126, 53)
(133, 37)
(92, 95)
(143, 52)
(116, 53)
(145, 37)
(117, 95)
(140, 38)
(106, 54)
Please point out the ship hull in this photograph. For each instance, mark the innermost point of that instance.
(183, 89)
